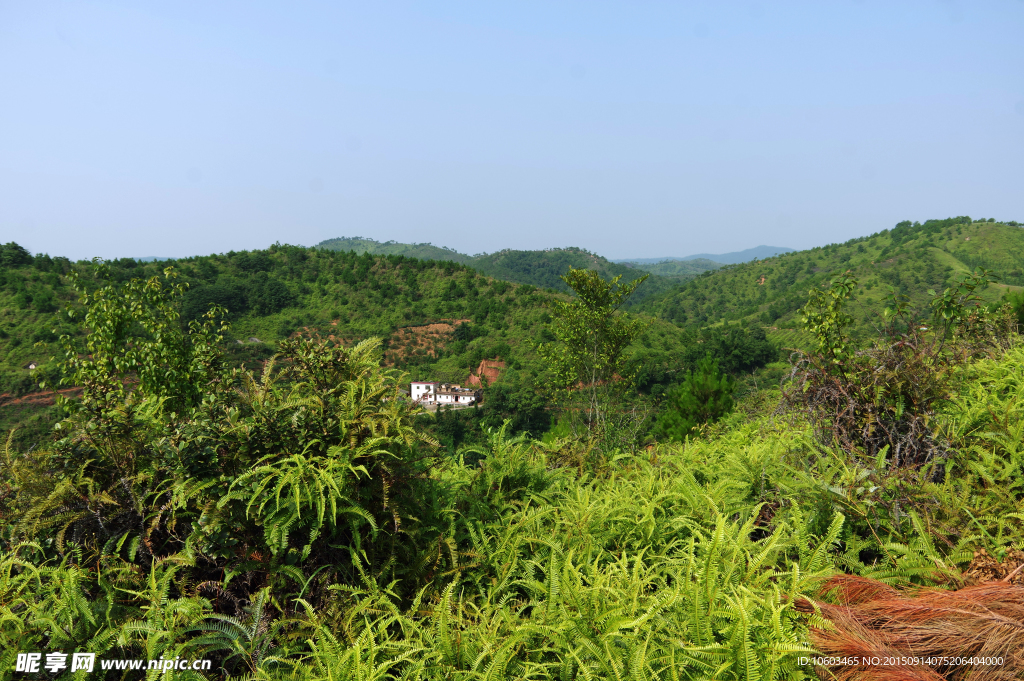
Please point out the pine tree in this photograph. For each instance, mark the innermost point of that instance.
(704, 397)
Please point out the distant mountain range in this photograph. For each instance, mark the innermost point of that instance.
(734, 258)
(427, 251)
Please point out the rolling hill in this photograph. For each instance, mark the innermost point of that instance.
(423, 251)
(677, 268)
(541, 268)
(545, 268)
(913, 257)
(438, 319)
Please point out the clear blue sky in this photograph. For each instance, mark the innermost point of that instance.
(636, 129)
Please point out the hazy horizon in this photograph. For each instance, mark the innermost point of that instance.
(686, 256)
(631, 131)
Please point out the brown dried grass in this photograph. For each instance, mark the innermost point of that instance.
(874, 620)
(986, 568)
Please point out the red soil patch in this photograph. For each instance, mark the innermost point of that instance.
(40, 399)
(405, 342)
(427, 339)
(490, 369)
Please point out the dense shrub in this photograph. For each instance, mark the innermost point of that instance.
(884, 400)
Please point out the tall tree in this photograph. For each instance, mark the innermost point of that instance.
(587, 357)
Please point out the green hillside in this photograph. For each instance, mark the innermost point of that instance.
(438, 319)
(913, 257)
(421, 251)
(417, 305)
(273, 294)
(542, 268)
(677, 268)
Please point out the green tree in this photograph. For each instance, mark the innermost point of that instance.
(516, 400)
(588, 358)
(704, 397)
(12, 255)
(198, 300)
(824, 316)
(136, 350)
(450, 427)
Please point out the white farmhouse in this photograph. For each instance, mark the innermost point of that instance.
(432, 392)
(423, 391)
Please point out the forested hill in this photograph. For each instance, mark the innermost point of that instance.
(914, 257)
(424, 251)
(270, 295)
(438, 319)
(542, 268)
(677, 268)
(545, 269)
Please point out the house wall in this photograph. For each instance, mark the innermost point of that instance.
(422, 392)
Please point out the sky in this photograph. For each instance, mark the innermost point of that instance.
(640, 129)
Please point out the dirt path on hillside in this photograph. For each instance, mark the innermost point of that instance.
(41, 399)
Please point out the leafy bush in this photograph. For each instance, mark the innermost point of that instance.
(887, 397)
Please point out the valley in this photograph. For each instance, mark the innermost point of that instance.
(441, 313)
